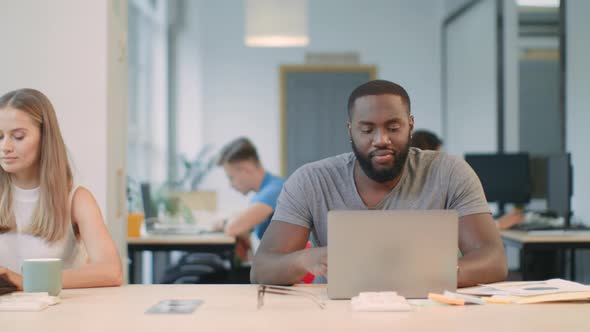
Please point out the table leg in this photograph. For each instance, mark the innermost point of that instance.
(131, 265)
(524, 263)
(573, 264)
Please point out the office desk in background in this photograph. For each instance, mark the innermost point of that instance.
(564, 243)
(233, 308)
(217, 243)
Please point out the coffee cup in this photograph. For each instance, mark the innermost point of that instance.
(42, 275)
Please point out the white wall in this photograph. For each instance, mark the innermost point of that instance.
(578, 102)
(511, 76)
(465, 59)
(451, 6)
(54, 54)
(74, 52)
(240, 93)
(471, 81)
(189, 78)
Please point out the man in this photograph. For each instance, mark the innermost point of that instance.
(383, 172)
(242, 166)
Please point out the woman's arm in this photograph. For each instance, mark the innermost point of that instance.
(104, 266)
(11, 278)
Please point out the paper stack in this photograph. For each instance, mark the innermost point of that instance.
(524, 292)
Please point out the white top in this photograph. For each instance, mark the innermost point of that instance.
(17, 246)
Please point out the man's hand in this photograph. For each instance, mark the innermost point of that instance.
(219, 225)
(315, 261)
(11, 277)
(211, 221)
(510, 219)
(281, 258)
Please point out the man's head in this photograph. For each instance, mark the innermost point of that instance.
(241, 164)
(425, 140)
(380, 126)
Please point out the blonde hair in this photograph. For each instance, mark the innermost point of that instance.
(51, 217)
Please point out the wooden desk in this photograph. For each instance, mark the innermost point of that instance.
(218, 243)
(565, 242)
(233, 308)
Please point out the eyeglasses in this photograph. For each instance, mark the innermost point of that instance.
(281, 290)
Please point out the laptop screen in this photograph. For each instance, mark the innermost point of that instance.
(149, 209)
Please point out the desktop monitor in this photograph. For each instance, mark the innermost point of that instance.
(538, 171)
(559, 185)
(505, 177)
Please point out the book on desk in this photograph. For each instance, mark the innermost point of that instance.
(530, 292)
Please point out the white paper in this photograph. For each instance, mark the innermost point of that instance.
(551, 286)
(526, 288)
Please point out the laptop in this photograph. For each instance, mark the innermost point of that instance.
(155, 226)
(410, 252)
(149, 210)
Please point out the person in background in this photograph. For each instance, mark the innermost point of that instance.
(426, 140)
(246, 174)
(384, 173)
(43, 213)
(242, 166)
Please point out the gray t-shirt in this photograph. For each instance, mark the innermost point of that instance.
(431, 180)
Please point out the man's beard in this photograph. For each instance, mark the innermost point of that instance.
(386, 174)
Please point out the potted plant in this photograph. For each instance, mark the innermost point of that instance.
(193, 172)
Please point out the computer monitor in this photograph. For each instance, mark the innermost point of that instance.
(505, 177)
(538, 171)
(559, 185)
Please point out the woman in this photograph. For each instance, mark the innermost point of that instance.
(43, 214)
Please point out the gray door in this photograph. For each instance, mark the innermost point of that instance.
(315, 111)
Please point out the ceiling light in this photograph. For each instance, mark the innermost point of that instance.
(276, 23)
(538, 3)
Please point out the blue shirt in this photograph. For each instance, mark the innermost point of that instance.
(267, 194)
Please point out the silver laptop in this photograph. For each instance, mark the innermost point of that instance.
(409, 252)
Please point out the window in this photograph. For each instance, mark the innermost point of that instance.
(147, 116)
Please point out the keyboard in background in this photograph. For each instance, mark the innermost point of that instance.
(560, 232)
(542, 222)
(154, 227)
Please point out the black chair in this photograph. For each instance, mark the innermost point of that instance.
(197, 268)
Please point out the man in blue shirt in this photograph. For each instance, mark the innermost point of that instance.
(242, 166)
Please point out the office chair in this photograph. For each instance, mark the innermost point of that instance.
(197, 268)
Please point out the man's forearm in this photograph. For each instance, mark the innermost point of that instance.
(485, 265)
(277, 268)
